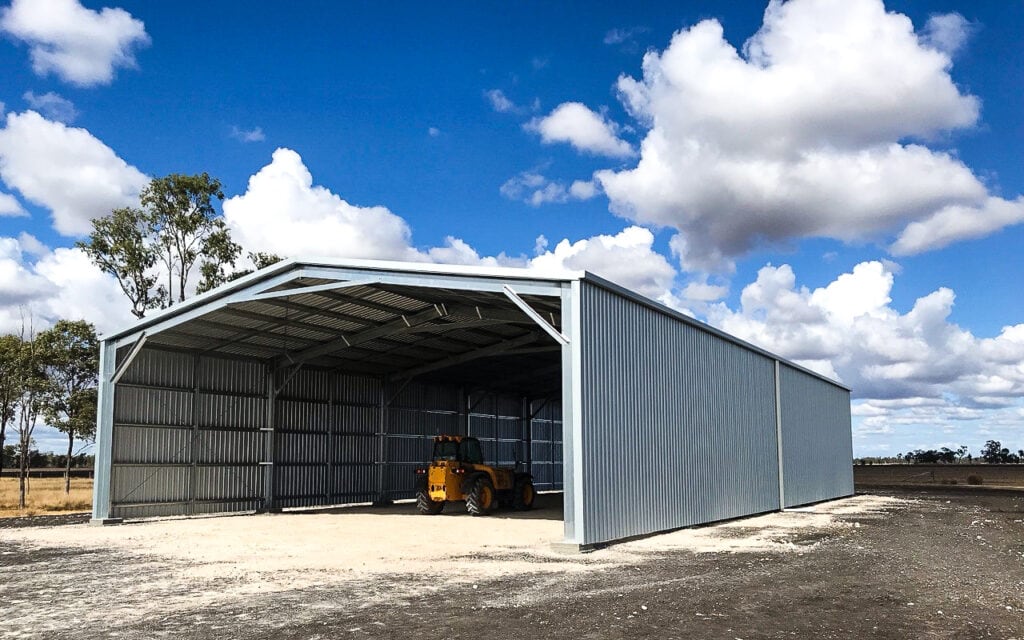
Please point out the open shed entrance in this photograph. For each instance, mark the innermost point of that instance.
(316, 389)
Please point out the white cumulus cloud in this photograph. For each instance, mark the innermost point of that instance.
(916, 375)
(65, 169)
(946, 32)
(849, 329)
(627, 258)
(956, 222)
(820, 126)
(52, 106)
(79, 45)
(499, 101)
(587, 131)
(283, 212)
(10, 207)
(535, 189)
(48, 285)
(248, 135)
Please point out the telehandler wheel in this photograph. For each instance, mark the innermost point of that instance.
(480, 498)
(426, 506)
(523, 495)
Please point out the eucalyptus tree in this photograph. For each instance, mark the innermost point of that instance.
(10, 387)
(70, 356)
(32, 384)
(188, 232)
(215, 274)
(156, 250)
(119, 245)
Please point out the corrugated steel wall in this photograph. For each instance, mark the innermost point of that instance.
(190, 433)
(678, 425)
(417, 414)
(187, 436)
(544, 446)
(524, 436)
(817, 447)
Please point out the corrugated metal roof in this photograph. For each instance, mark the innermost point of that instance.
(275, 327)
(369, 267)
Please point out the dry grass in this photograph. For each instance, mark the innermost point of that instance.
(45, 495)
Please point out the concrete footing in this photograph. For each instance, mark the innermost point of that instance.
(571, 548)
(105, 521)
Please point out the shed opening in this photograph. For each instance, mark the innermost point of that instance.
(321, 392)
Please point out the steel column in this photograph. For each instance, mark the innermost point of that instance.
(572, 415)
(194, 446)
(331, 457)
(526, 411)
(104, 433)
(463, 418)
(269, 431)
(778, 435)
(382, 444)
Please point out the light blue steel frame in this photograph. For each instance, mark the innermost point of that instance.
(261, 285)
(565, 285)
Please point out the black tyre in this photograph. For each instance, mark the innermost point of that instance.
(426, 506)
(523, 494)
(481, 498)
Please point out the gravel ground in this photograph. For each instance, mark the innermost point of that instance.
(904, 564)
(44, 520)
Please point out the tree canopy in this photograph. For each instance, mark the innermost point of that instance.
(70, 353)
(157, 249)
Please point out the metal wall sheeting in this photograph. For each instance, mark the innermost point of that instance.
(316, 414)
(545, 444)
(680, 425)
(669, 422)
(817, 447)
(186, 436)
(190, 434)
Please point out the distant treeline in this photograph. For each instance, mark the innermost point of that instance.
(77, 472)
(992, 453)
(40, 460)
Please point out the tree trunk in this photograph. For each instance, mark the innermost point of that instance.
(22, 477)
(67, 468)
(3, 439)
(182, 281)
(170, 277)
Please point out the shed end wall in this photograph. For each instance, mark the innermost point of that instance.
(678, 424)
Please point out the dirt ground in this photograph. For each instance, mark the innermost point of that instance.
(893, 565)
(989, 475)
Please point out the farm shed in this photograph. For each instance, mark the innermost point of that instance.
(322, 382)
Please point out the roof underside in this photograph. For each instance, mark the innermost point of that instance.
(472, 338)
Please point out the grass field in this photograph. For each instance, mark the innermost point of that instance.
(45, 495)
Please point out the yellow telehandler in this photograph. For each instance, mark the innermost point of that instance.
(457, 473)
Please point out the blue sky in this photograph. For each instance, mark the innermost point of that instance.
(842, 190)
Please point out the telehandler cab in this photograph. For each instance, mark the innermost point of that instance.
(457, 472)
